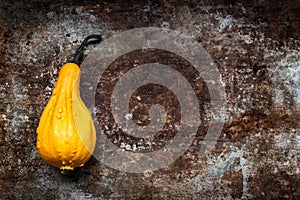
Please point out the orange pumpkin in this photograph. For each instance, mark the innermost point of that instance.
(66, 134)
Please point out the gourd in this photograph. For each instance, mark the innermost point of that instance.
(66, 136)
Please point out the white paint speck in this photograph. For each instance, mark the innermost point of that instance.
(128, 116)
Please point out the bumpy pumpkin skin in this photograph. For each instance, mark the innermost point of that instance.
(66, 133)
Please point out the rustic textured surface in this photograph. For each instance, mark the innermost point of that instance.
(256, 48)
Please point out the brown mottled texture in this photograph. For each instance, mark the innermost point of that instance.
(255, 45)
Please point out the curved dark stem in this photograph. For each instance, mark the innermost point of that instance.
(91, 39)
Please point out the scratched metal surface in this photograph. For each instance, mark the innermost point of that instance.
(255, 47)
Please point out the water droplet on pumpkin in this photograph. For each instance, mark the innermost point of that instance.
(70, 161)
(58, 116)
(38, 145)
(63, 162)
(60, 110)
(54, 92)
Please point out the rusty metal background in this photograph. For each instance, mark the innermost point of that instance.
(256, 48)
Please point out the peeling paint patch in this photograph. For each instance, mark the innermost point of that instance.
(216, 168)
(287, 144)
(285, 75)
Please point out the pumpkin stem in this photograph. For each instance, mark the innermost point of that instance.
(91, 39)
